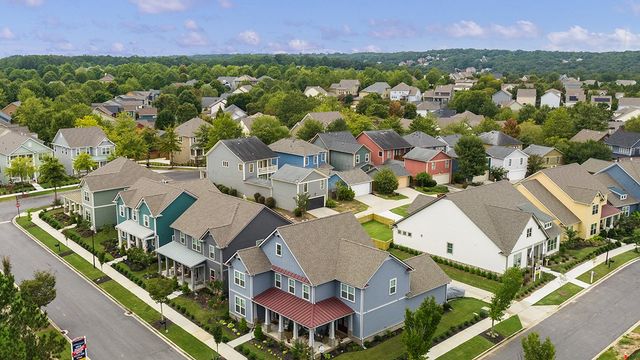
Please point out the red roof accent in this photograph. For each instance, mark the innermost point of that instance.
(290, 274)
(608, 210)
(301, 311)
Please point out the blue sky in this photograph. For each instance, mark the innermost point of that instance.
(167, 27)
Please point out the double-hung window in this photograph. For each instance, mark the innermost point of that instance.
(306, 292)
(552, 244)
(366, 157)
(305, 187)
(357, 158)
(529, 232)
(145, 220)
(594, 229)
(182, 238)
(278, 249)
(594, 209)
(449, 248)
(225, 163)
(291, 286)
(238, 278)
(212, 252)
(277, 280)
(393, 286)
(348, 292)
(134, 215)
(196, 245)
(241, 306)
(121, 210)
(517, 260)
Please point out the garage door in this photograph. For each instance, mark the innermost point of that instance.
(362, 189)
(315, 203)
(441, 178)
(403, 182)
(516, 175)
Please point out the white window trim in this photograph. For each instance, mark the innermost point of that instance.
(366, 157)
(277, 280)
(306, 292)
(121, 210)
(145, 220)
(134, 215)
(241, 303)
(240, 167)
(393, 281)
(237, 277)
(357, 158)
(349, 290)
(225, 163)
(196, 245)
(291, 283)
(183, 238)
(212, 249)
(278, 249)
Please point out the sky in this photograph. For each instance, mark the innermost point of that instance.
(186, 27)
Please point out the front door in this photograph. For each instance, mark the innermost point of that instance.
(343, 324)
(198, 275)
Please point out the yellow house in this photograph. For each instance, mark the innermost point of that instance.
(571, 195)
(551, 157)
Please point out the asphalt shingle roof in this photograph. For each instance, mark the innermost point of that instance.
(557, 208)
(83, 137)
(585, 135)
(189, 127)
(500, 152)
(292, 174)
(539, 150)
(118, 173)
(387, 139)
(420, 139)
(249, 149)
(498, 138)
(296, 147)
(426, 275)
(341, 141)
(623, 138)
(420, 154)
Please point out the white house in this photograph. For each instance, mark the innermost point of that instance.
(492, 227)
(68, 143)
(551, 98)
(626, 114)
(314, 91)
(406, 92)
(513, 160)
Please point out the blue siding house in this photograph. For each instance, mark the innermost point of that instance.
(299, 153)
(624, 188)
(323, 282)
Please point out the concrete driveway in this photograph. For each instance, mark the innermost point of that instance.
(322, 212)
(590, 323)
(378, 205)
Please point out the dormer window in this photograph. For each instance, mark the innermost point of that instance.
(278, 249)
(623, 196)
(547, 225)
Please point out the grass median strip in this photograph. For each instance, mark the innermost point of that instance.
(470, 279)
(603, 269)
(562, 294)
(187, 342)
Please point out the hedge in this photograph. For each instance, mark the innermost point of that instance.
(468, 269)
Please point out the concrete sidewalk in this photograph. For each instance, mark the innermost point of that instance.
(225, 350)
(41, 189)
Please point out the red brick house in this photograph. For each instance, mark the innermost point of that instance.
(433, 162)
(384, 145)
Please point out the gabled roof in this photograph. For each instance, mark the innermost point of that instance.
(83, 137)
(316, 88)
(428, 106)
(118, 173)
(387, 139)
(629, 101)
(11, 140)
(341, 141)
(396, 166)
(334, 248)
(576, 182)
(248, 149)
(296, 147)
(426, 275)
(526, 93)
(498, 138)
(420, 202)
(325, 117)
(293, 174)
(585, 135)
(632, 167)
(350, 177)
(254, 260)
(623, 138)
(377, 87)
(501, 152)
(420, 139)
(404, 87)
(346, 83)
(471, 118)
(549, 201)
(189, 127)
(421, 154)
(593, 165)
(539, 150)
(554, 92)
(615, 190)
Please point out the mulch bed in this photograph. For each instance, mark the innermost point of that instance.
(494, 338)
(85, 233)
(159, 325)
(102, 279)
(66, 253)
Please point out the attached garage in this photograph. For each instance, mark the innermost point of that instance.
(362, 189)
(398, 169)
(316, 203)
(403, 181)
(356, 179)
(442, 178)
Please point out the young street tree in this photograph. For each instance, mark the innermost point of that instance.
(419, 327)
(83, 163)
(52, 172)
(216, 332)
(472, 158)
(535, 163)
(41, 290)
(169, 143)
(159, 290)
(507, 291)
(386, 181)
(534, 349)
(21, 167)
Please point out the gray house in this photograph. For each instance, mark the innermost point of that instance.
(323, 282)
(289, 181)
(71, 142)
(345, 152)
(425, 141)
(245, 164)
(209, 232)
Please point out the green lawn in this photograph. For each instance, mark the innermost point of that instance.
(100, 237)
(378, 230)
(394, 196)
(65, 354)
(603, 269)
(401, 210)
(85, 267)
(265, 355)
(561, 295)
(43, 192)
(44, 237)
(400, 254)
(478, 344)
(205, 316)
(434, 190)
(470, 279)
(627, 344)
(462, 310)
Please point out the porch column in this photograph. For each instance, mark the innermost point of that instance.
(193, 285)
(119, 239)
(295, 331)
(332, 333)
(144, 245)
(166, 266)
(350, 325)
(267, 320)
(175, 269)
(280, 326)
(311, 337)
(182, 273)
(159, 264)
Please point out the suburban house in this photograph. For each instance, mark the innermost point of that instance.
(441, 94)
(622, 178)
(299, 153)
(624, 143)
(356, 179)
(585, 135)
(11, 108)
(526, 97)
(625, 114)
(623, 103)
(146, 210)
(426, 107)
(425, 141)
(569, 194)
(433, 162)
(211, 105)
(513, 160)
(345, 152)
(325, 118)
(602, 99)
(513, 105)
(289, 181)
(623, 82)
(501, 97)
(551, 98)
(570, 83)
(405, 92)
(498, 138)
(69, 143)
(107, 78)
(384, 145)
(345, 87)
(235, 112)
(396, 167)
(243, 89)
(381, 88)
(468, 117)
(190, 152)
(492, 227)
(573, 96)
(314, 91)
(13, 145)
(99, 188)
(323, 282)
(245, 164)
(209, 233)
(551, 157)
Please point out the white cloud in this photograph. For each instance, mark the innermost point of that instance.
(249, 37)
(193, 38)
(117, 47)
(466, 28)
(367, 48)
(390, 29)
(225, 4)
(579, 38)
(521, 29)
(30, 3)
(160, 6)
(300, 45)
(6, 34)
(191, 25)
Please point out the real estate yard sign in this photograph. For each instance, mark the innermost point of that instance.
(79, 348)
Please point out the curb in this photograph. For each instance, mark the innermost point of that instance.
(617, 340)
(109, 296)
(504, 341)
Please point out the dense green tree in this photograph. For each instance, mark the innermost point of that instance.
(633, 124)
(534, 349)
(309, 129)
(41, 290)
(476, 101)
(427, 124)
(83, 163)
(535, 163)
(385, 181)
(460, 127)
(338, 125)
(528, 112)
(419, 327)
(52, 171)
(410, 111)
(268, 129)
(559, 124)
(472, 159)
(188, 96)
(159, 290)
(169, 143)
(590, 116)
(224, 127)
(530, 133)
(486, 125)
(392, 123)
(21, 167)
(165, 119)
(576, 152)
(168, 102)
(186, 112)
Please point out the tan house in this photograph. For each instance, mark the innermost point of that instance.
(526, 96)
(585, 135)
(345, 87)
(551, 157)
(189, 152)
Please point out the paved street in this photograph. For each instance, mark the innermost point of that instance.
(79, 307)
(585, 327)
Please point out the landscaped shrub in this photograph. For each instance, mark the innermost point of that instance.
(270, 202)
(331, 203)
(343, 192)
(425, 180)
(258, 334)
(261, 199)
(233, 192)
(243, 326)
(297, 212)
(256, 196)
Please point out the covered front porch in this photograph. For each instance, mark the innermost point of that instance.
(608, 216)
(72, 203)
(322, 326)
(186, 265)
(133, 234)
